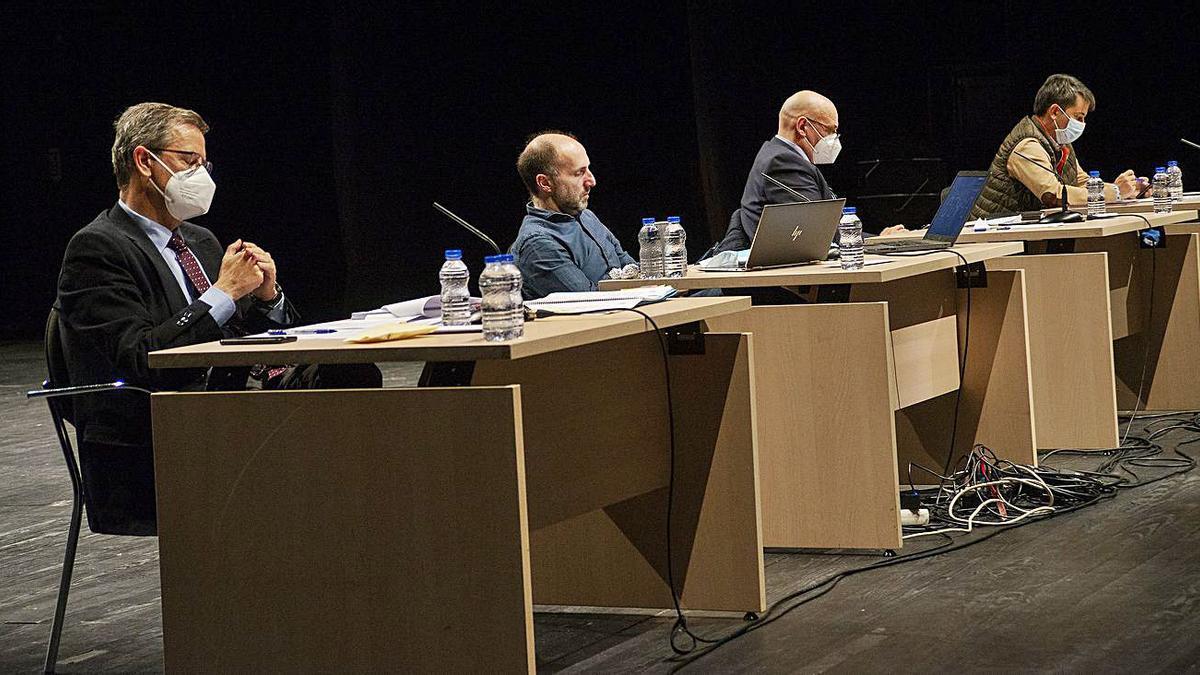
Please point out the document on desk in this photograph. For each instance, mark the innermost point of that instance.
(352, 328)
(426, 307)
(584, 302)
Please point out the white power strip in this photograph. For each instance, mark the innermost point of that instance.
(921, 517)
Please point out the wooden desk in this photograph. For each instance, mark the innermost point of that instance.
(1189, 203)
(413, 529)
(1076, 330)
(864, 381)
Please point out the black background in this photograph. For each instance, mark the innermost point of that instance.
(335, 125)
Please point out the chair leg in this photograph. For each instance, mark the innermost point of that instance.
(64, 585)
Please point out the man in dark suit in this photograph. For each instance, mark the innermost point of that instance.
(807, 137)
(139, 278)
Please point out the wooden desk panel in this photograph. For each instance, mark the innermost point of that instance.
(826, 434)
(1070, 349)
(310, 532)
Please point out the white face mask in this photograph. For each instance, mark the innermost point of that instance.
(826, 150)
(1072, 133)
(189, 193)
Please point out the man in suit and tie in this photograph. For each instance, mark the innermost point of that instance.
(140, 278)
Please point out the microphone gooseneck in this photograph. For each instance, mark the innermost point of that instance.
(467, 226)
(783, 185)
(1064, 215)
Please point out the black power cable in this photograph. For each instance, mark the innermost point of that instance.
(1145, 331)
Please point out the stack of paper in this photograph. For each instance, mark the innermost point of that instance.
(600, 301)
(429, 307)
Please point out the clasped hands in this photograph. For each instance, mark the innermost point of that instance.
(247, 269)
(1130, 186)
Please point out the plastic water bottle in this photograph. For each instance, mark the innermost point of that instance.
(503, 306)
(1161, 188)
(516, 295)
(1095, 188)
(675, 258)
(850, 240)
(456, 296)
(650, 252)
(1176, 175)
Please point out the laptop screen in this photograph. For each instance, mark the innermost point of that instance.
(949, 219)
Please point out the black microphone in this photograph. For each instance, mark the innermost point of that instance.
(469, 227)
(783, 185)
(1065, 215)
(1187, 142)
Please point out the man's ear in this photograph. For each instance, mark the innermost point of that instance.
(543, 183)
(142, 160)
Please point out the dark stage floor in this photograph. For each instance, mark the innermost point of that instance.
(1113, 587)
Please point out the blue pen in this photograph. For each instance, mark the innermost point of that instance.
(303, 331)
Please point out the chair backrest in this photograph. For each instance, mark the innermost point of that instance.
(56, 367)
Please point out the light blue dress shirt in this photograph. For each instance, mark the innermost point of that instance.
(222, 306)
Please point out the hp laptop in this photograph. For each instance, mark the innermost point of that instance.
(791, 234)
(947, 222)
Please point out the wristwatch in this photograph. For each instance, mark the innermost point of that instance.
(274, 303)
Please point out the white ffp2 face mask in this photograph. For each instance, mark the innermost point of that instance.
(827, 149)
(1072, 133)
(188, 193)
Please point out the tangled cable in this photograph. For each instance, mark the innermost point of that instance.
(987, 490)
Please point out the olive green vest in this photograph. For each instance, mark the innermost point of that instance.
(1004, 194)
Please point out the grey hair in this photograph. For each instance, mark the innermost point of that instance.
(147, 124)
(1061, 89)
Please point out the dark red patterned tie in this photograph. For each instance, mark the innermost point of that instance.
(191, 266)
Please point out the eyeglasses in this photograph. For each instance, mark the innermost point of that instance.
(834, 132)
(194, 159)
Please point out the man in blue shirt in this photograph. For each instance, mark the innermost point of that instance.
(562, 245)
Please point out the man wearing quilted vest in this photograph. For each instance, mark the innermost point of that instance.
(1046, 139)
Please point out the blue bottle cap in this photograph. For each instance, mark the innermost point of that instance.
(1161, 169)
(672, 219)
(1172, 163)
(506, 257)
(849, 211)
(453, 254)
(647, 221)
(1094, 174)
(488, 260)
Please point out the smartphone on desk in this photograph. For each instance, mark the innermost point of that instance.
(258, 340)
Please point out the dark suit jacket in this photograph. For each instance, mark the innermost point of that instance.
(118, 301)
(784, 163)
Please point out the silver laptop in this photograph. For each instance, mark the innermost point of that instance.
(791, 234)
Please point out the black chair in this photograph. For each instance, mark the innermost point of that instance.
(56, 389)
